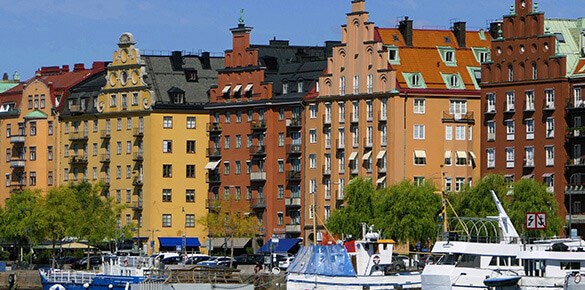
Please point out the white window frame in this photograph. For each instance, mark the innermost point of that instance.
(419, 106)
(419, 132)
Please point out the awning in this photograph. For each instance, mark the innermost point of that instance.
(381, 154)
(529, 176)
(212, 165)
(381, 180)
(352, 156)
(447, 154)
(226, 89)
(461, 154)
(178, 241)
(239, 243)
(420, 154)
(472, 155)
(237, 88)
(283, 246)
(248, 88)
(367, 156)
(73, 245)
(547, 175)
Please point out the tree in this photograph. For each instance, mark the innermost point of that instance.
(477, 201)
(406, 212)
(359, 208)
(229, 220)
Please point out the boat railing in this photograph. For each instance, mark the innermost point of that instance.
(57, 276)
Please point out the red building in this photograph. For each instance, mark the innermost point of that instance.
(255, 140)
(527, 98)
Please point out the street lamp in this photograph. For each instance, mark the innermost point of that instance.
(184, 244)
(273, 245)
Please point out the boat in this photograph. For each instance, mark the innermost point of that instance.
(358, 264)
(116, 274)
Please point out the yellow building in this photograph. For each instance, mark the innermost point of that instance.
(29, 132)
(140, 130)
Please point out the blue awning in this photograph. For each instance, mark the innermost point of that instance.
(283, 246)
(178, 241)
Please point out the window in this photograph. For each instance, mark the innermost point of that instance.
(280, 192)
(190, 220)
(128, 171)
(167, 220)
(534, 71)
(95, 149)
(280, 165)
(167, 170)
(369, 110)
(355, 117)
(33, 178)
(250, 115)
(239, 117)
(491, 103)
(280, 114)
(281, 139)
(312, 136)
(529, 129)
(549, 181)
(50, 178)
(529, 156)
(419, 106)
(190, 146)
(448, 132)
(128, 123)
(119, 148)
(550, 127)
(33, 153)
(227, 142)
(356, 84)
(460, 133)
(510, 157)
(393, 55)
(226, 192)
(510, 101)
(228, 117)
(449, 56)
(238, 193)
(50, 152)
(550, 98)
(118, 172)
(280, 218)
(419, 132)
(33, 128)
(313, 186)
(167, 195)
(510, 128)
(448, 161)
(313, 111)
(370, 84)
(550, 155)
(529, 101)
(420, 157)
(510, 73)
(418, 180)
(459, 183)
(448, 184)
(190, 122)
(238, 167)
(491, 158)
(239, 141)
(226, 168)
(119, 124)
(341, 106)
(355, 136)
(458, 107)
(285, 88)
(167, 122)
(128, 147)
(342, 86)
(190, 169)
(312, 161)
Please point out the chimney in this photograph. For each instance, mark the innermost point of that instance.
(177, 60)
(494, 29)
(78, 67)
(65, 68)
(405, 29)
(459, 31)
(5, 77)
(277, 42)
(205, 60)
(98, 65)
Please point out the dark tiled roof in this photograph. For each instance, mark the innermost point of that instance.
(86, 92)
(164, 75)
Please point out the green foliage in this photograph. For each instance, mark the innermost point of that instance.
(20, 217)
(477, 201)
(359, 208)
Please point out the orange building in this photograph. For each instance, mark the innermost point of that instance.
(394, 104)
(255, 140)
(29, 126)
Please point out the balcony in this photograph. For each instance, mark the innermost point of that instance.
(576, 132)
(490, 110)
(293, 175)
(258, 176)
(548, 106)
(258, 151)
(137, 205)
(137, 181)
(529, 163)
(258, 203)
(576, 105)
(78, 136)
(106, 182)
(138, 132)
(213, 153)
(259, 125)
(17, 139)
(293, 202)
(368, 142)
(381, 169)
(17, 163)
(355, 119)
(529, 108)
(294, 123)
(214, 128)
(382, 116)
(105, 134)
(458, 117)
(326, 170)
(326, 120)
(78, 159)
(339, 195)
(293, 149)
(340, 144)
(576, 161)
(212, 204)
(213, 177)
(293, 228)
(105, 158)
(138, 156)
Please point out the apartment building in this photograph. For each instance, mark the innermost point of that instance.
(532, 105)
(255, 132)
(29, 126)
(139, 129)
(394, 104)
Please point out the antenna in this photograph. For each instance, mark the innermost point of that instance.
(506, 226)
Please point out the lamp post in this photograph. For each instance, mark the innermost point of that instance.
(273, 245)
(152, 239)
(184, 244)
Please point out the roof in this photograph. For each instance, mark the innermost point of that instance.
(86, 91)
(36, 114)
(162, 75)
(568, 32)
(425, 57)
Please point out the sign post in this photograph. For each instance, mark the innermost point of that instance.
(535, 221)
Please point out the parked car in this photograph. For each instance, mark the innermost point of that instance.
(172, 260)
(427, 260)
(219, 262)
(81, 264)
(397, 265)
(284, 263)
(246, 259)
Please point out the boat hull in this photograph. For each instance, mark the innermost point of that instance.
(87, 281)
(401, 280)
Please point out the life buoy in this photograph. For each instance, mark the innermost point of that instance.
(577, 278)
(376, 259)
(57, 287)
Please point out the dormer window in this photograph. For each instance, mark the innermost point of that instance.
(300, 86)
(453, 81)
(176, 95)
(393, 56)
(414, 80)
(285, 88)
(448, 55)
(237, 91)
(191, 76)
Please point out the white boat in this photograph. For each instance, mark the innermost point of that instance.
(367, 265)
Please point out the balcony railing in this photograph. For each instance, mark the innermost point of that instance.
(258, 176)
(78, 159)
(576, 161)
(326, 170)
(258, 203)
(490, 109)
(293, 175)
(17, 163)
(368, 142)
(213, 153)
(294, 123)
(79, 136)
(105, 181)
(213, 178)
(578, 104)
(382, 116)
(105, 158)
(293, 202)
(459, 117)
(548, 106)
(138, 156)
(293, 228)
(258, 151)
(137, 181)
(293, 149)
(212, 203)
(326, 120)
(214, 128)
(259, 125)
(137, 205)
(576, 132)
(339, 195)
(17, 139)
(138, 132)
(105, 134)
(528, 162)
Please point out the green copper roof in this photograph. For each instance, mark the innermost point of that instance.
(568, 32)
(5, 86)
(36, 114)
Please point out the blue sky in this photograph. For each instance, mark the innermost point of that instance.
(39, 33)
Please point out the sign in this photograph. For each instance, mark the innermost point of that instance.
(536, 221)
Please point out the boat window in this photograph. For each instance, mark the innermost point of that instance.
(535, 268)
(494, 261)
(570, 265)
(469, 261)
(515, 262)
(449, 259)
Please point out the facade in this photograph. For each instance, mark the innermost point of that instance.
(30, 131)
(139, 129)
(530, 97)
(255, 140)
(383, 113)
